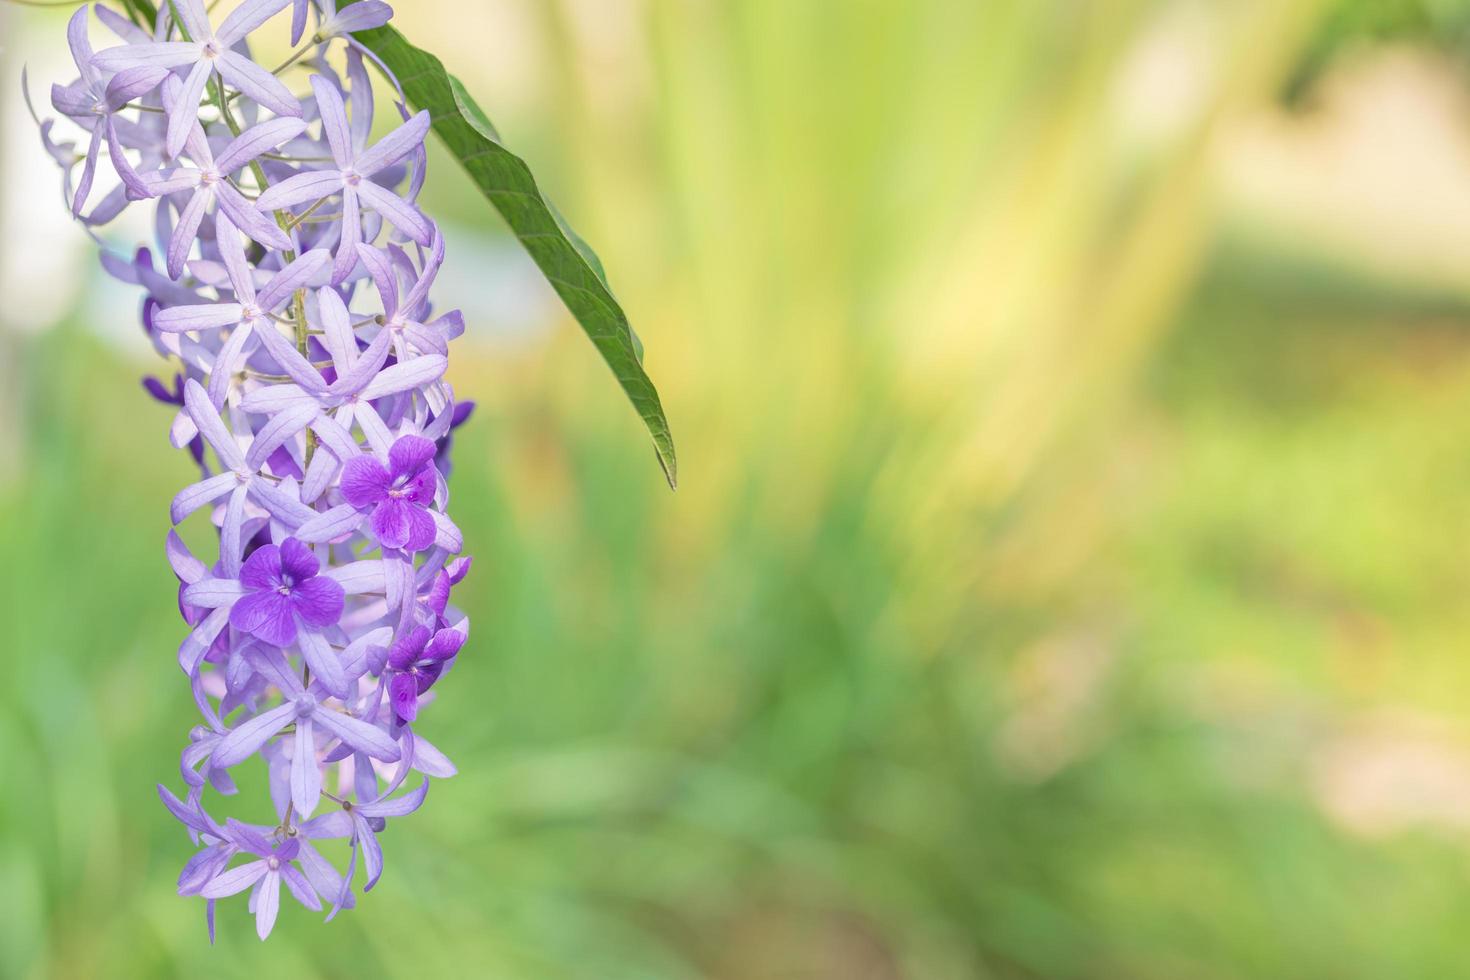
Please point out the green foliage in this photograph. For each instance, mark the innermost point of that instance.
(144, 13)
(1355, 23)
(570, 265)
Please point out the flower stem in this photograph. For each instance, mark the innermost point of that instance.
(307, 213)
(284, 219)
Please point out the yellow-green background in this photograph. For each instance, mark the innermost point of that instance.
(1068, 573)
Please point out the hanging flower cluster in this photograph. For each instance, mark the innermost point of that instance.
(294, 300)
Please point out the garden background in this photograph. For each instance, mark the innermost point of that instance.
(1068, 573)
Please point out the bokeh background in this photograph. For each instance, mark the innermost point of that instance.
(1067, 577)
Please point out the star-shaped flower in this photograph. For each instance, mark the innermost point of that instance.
(209, 181)
(264, 875)
(350, 178)
(91, 101)
(249, 314)
(206, 52)
(404, 317)
(371, 817)
(303, 707)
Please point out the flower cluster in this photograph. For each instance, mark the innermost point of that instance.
(293, 299)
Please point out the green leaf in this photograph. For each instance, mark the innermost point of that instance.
(142, 12)
(572, 268)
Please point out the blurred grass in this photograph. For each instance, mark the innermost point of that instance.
(1037, 535)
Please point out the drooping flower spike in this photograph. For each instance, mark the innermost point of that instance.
(307, 377)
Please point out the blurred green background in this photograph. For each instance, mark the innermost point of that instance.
(1067, 574)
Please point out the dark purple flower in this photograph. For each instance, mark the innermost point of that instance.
(150, 307)
(282, 590)
(415, 662)
(155, 388)
(435, 597)
(399, 493)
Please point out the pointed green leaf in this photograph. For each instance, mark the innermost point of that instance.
(572, 268)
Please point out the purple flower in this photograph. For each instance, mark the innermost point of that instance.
(361, 16)
(249, 313)
(303, 706)
(206, 52)
(203, 741)
(399, 493)
(161, 290)
(92, 102)
(404, 319)
(349, 178)
(370, 818)
(360, 377)
(283, 592)
(207, 423)
(298, 20)
(328, 883)
(207, 181)
(415, 662)
(263, 876)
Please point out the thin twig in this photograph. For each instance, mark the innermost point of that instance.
(307, 213)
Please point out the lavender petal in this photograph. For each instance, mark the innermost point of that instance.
(325, 665)
(395, 146)
(246, 738)
(234, 881)
(245, 18)
(359, 734)
(257, 83)
(306, 777)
